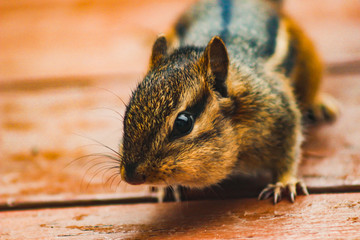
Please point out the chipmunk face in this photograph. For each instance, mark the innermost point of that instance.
(174, 132)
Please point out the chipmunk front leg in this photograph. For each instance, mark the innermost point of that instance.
(285, 173)
(162, 192)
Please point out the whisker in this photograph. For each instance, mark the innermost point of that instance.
(104, 171)
(90, 144)
(108, 157)
(107, 108)
(113, 179)
(113, 94)
(101, 144)
(88, 170)
(118, 184)
(98, 155)
(102, 162)
(109, 178)
(95, 174)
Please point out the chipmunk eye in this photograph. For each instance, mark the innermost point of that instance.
(183, 124)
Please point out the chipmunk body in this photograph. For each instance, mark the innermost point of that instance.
(226, 97)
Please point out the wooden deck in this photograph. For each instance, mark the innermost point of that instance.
(63, 64)
(332, 216)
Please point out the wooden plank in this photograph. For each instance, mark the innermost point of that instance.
(41, 118)
(332, 152)
(333, 27)
(74, 37)
(328, 216)
(65, 38)
(46, 131)
(40, 144)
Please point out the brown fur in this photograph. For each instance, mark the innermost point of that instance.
(307, 76)
(246, 121)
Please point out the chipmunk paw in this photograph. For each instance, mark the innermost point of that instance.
(277, 190)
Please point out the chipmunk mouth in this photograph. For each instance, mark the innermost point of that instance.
(136, 175)
(163, 175)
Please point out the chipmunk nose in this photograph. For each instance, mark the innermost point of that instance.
(131, 175)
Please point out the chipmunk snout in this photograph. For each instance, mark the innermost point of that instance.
(130, 174)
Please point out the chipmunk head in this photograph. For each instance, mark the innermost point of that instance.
(174, 132)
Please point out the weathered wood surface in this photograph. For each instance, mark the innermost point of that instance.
(55, 38)
(52, 38)
(328, 216)
(44, 131)
(60, 63)
(58, 57)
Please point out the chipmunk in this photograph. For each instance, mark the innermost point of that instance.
(225, 95)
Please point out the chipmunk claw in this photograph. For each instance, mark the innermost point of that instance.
(292, 197)
(272, 189)
(277, 189)
(303, 188)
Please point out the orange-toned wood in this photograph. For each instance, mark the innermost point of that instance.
(48, 38)
(57, 57)
(314, 217)
(332, 152)
(333, 26)
(44, 131)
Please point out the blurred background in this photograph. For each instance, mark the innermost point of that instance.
(65, 63)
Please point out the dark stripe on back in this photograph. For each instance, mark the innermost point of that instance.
(289, 61)
(272, 26)
(226, 17)
(180, 29)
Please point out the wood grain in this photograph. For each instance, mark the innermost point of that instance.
(54, 38)
(329, 216)
(62, 63)
(44, 131)
(41, 39)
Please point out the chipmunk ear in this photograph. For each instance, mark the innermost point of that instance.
(159, 50)
(216, 62)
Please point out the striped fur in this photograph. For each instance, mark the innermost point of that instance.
(244, 93)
